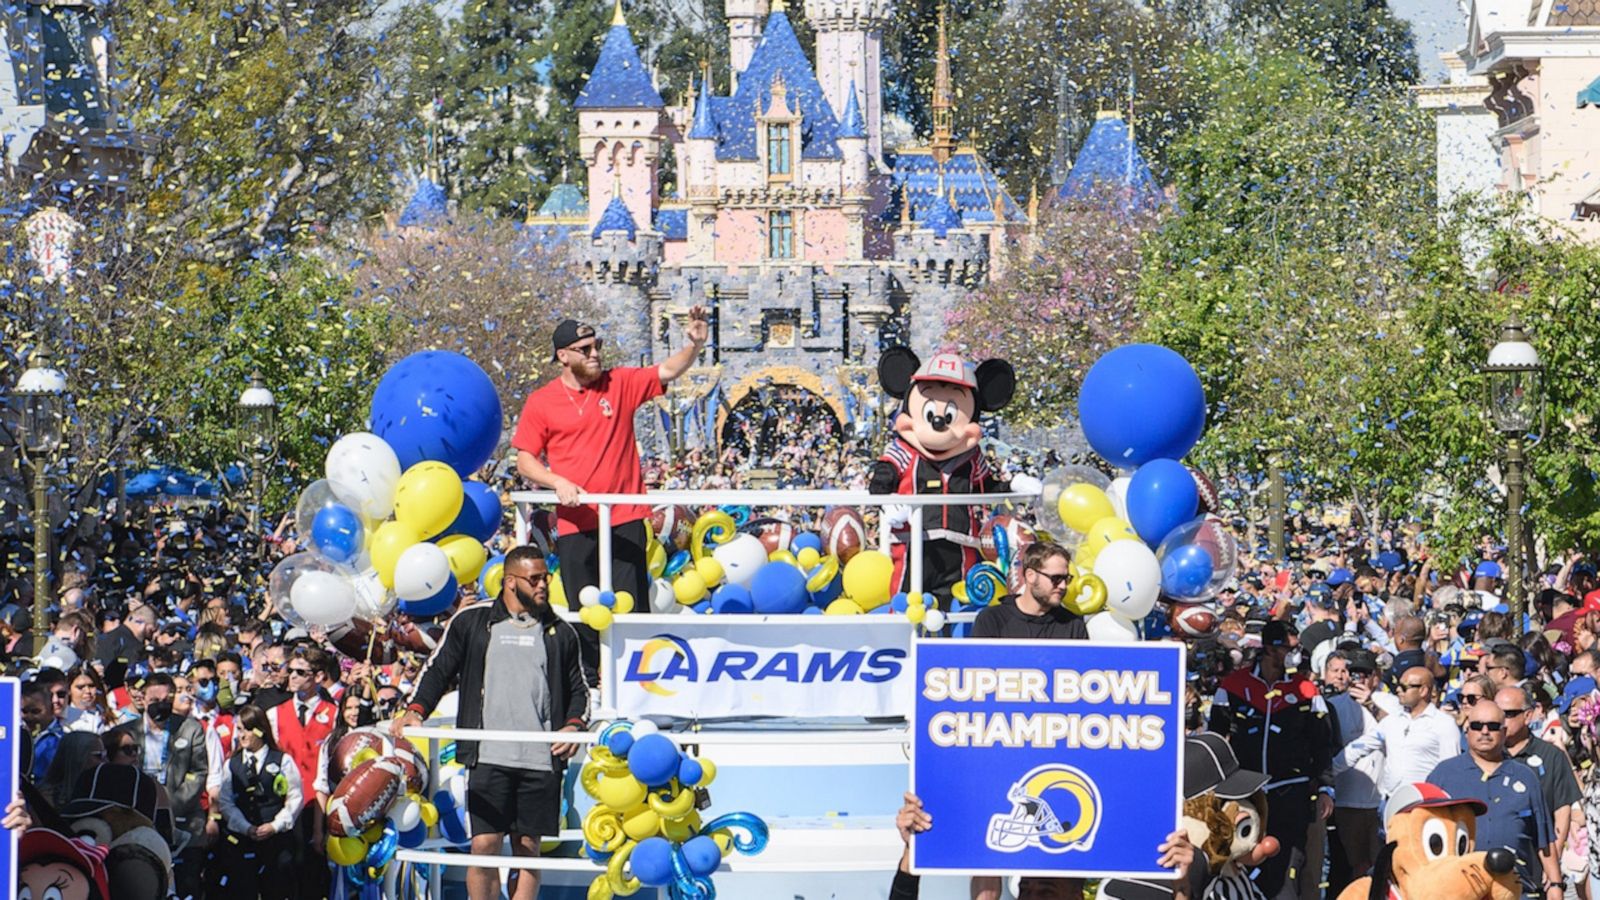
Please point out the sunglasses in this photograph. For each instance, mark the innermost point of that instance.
(1412, 687)
(1513, 712)
(126, 750)
(300, 672)
(587, 349)
(272, 667)
(204, 682)
(1490, 727)
(1471, 698)
(1057, 580)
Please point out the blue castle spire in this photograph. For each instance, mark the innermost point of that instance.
(616, 218)
(619, 80)
(854, 124)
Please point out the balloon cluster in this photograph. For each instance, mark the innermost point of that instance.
(393, 526)
(377, 805)
(1149, 532)
(645, 827)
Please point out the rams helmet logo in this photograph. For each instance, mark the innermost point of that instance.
(1034, 822)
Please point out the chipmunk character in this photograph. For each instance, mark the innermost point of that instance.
(935, 451)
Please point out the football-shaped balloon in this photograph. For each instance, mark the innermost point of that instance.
(843, 533)
(1210, 500)
(1193, 620)
(364, 796)
(775, 534)
(673, 526)
(412, 764)
(343, 758)
(1005, 531)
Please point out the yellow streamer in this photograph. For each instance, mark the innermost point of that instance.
(716, 524)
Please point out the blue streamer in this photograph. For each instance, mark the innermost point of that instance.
(1002, 549)
(685, 884)
(740, 514)
(677, 563)
(755, 843)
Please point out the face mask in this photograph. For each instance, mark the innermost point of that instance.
(207, 692)
(159, 711)
(1291, 660)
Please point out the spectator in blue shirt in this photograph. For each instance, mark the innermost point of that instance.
(1517, 818)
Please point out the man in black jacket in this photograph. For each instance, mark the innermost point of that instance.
(516, 665)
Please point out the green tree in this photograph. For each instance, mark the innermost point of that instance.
(1358, 43)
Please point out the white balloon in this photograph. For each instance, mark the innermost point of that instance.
(933, 620)
(422, 571)
(1132, 577)
(406, 813)
(588, 595)
(741, 558)
(323, 599)
(643, 727)
(364, 472)
(373, 600)
(1108, 626)
(1118, 494)
(662, 600)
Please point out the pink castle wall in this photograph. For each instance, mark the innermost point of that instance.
(824, 235)
(741, 236)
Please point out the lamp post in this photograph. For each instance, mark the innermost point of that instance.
(1515, 404)
(257, 416)
(42, 391)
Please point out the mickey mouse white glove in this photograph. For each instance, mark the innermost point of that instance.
(896, 515)
(1026, 484)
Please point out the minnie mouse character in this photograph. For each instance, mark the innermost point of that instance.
(935, 451)
(54, 865)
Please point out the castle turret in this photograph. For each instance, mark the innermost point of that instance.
(850, 58)
(620, 127)
(744, 33)
(853, 148)
(943, 260)
(621, 263)
(700, 178)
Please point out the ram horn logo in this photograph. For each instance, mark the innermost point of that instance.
(1034, 822)
(675, 659)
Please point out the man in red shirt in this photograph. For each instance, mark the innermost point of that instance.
(575, 435)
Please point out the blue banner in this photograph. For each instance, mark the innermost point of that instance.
(1056, 758)
(10, 760)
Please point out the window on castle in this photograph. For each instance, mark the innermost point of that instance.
(779, 162)
(780, 234)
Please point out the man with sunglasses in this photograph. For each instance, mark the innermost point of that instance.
(1036, 611)
(300, 725)
(575, 435)
(1549, 762)
(1412, 740)
(1517, 817)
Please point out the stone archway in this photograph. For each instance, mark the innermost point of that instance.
(747, 423)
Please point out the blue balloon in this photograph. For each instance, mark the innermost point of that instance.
(652, 861)
(899, 602)
(830, 592)
(1161, 496)
(383, 849)
(703, 607)
(620, 743)
(811, 611)
(438, 405)
(452, 819)
(1186, 571)
(608, 599)
(1141, 402)
(654, 759)
(731, 599)
(754, 842)
(438, 604)
(779, 589)
(806, 539)
(338, 533)
(413, 839)
(703, 855)
(480, 512)
(690, 771)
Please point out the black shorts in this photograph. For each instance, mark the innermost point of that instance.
(503, 800)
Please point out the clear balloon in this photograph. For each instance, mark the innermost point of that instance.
(1198, 559)
(327, 597)
(364, 473)
(373, 600)
(317, 496)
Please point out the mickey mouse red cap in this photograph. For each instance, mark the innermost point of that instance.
(948, 368)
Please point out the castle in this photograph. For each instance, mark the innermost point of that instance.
(810, 246)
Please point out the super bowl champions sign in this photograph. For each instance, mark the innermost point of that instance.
(1047, 757)
(794, 666)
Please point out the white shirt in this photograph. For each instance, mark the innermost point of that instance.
(1357, 786)
(1411, 747)
(88, 720)
(293, 800)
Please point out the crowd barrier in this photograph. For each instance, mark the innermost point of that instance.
(791, 850)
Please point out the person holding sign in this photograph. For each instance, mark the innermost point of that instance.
(1177, 854)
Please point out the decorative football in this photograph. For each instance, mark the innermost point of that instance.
(364, 796)
(843, 532)
(1193, 620)
(775, 534)
(343, 758)
(673, 526)
(1017, 534)
(412, 764)
(1210, 501)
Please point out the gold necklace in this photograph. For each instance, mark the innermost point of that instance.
(586, 394)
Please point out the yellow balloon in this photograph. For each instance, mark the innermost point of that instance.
(715, 524)
(808, 557)
(1104, 532)
(782, 556)
(640, 823)
(623, 792)
(1082, 505)
(600, 889)
(915, 613)
(708, 772)
(428, 497)
(558, 591)
(624, 604)
(826, 570)
(371, 835)
(1085, 596)
(680, 830)
(466, 554)
(430, 814)
(363, 755)
(657, 556)
(843, 606)
(346, 851)
(596, 617)
(724, 839)
(392, 539)
(689, 587)
(710, 570)
(866, 579)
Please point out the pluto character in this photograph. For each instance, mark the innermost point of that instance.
(935, 451)
(1430, 852)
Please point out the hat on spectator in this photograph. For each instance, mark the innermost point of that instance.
(1423, 795)
(1576, 689)
(1363, 662)
(1469, 623)
(1340, 576)
(1487, 569)
(1322, 595)
(1389, 561)
(1210, 765)
(1591, 601)
(15, 617)
(111, 784)
(1275, 633)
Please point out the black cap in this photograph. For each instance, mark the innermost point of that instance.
(111, 784)
(16, 618)
(1209, 765)
(1275, 634)
(569, 332)
(1363, 661)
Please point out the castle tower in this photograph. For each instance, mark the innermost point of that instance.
(850, 58)
(619, 128)
(700, 178)
(854, 146)
(943, 261)
(944, 142)
(744, 33)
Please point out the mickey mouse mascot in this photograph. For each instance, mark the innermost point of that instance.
(935, 451)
